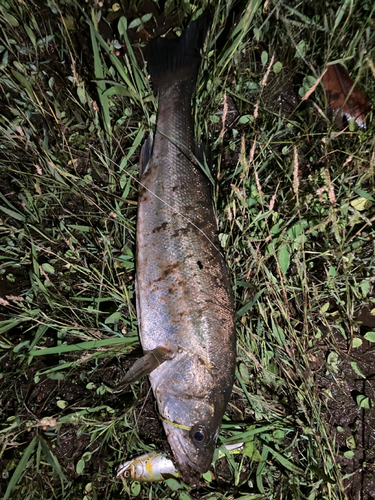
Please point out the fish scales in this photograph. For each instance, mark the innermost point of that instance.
(184, 299)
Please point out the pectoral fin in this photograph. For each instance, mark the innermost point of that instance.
(146, 364)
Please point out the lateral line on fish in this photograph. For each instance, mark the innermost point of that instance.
(158, 197)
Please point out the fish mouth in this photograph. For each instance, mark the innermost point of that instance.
(123, 470)
(176, 442)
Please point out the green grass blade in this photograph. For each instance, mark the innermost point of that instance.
(99, 75)
(21, 468)
(84, 346)
(285, 462)
(52, 460)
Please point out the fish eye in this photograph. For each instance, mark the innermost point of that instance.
(127, 474)
(200, 435)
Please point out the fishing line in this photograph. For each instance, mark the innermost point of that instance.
(158, 197)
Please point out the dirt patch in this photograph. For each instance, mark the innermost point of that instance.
(350, 412)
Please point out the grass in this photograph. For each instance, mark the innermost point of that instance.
(294, 197)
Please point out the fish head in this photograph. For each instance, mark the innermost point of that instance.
(192, 402)
(193, 448)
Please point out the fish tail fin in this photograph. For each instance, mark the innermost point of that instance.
(169, 60)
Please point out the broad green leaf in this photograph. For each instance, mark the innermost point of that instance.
(278, 434)
(350, 442)
(277, 67)
(56, 376)
(62, 404)
(122, 26)
(23, 80)
(82, 94)
(284, 259)
(307, 83)
(4, 61)
(364, 194)
(70, 23)
(184, 496)
(331, 271)
(48, 268)
(207, 476)
(252, 452)
(80, 466)
(244, 371)
(349, 454)
(12, 213)
(325, 307)
(135, 23)
(117, 90)
(146, 17)
(356, 369)
(364, 402)
(301, 49)
(333, 361)
(244, 119)
(9, 18)
(30, 33)
(361, 204)
(370, 336)
(173, 484)
(357, 342)
(365, 287)
(264, 57)
(113, 318)
(135, 488)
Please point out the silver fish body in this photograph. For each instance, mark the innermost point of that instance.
(184, 298)
(153, 466)
(149, 467)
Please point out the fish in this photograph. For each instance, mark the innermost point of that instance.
(152, 467)
(184, 299)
